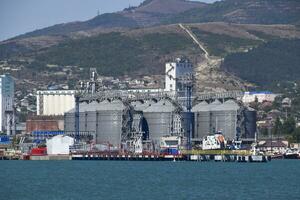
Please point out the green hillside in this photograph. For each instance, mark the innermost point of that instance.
(243, 11)
(117, 54)
(267, 65)
(179, 11)
(255, 53)
(222, 45)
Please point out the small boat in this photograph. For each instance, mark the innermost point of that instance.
(277, 156)
(290, 154)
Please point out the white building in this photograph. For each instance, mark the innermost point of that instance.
(59, 145)
(7, 88)
(260, 96)
(176, 72)
(55, 102)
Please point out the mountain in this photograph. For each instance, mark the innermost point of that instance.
(149, 13)
(267, 65)
(241, 37)
(144, 51)
(243, 12)
(159, 12)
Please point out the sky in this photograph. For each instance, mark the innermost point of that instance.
(22, 16)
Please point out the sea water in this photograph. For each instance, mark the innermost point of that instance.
(64, 180)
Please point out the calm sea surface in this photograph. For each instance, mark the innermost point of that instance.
(279, 179)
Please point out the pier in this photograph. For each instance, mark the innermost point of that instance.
(200, 157)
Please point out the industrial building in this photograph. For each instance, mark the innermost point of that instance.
(166, 117)
(54, 102)
(59, 145)
(7, 120)
(111, 120)
(44, 123)
(231, 119)
(176, 73)
(117, 121)
(258, 96)
(117, 118)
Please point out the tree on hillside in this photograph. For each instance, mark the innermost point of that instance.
(289, 126)
(277, 130)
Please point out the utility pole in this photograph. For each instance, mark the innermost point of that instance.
(270, 134)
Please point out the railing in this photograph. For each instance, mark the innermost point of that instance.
(138, 95)
(216, 152)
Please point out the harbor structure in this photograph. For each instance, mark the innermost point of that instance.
(54, 102)
(44, 123)
(7, 117)
(176, 72)
(119, 116)
(111, 120)
(166, 118)
(116, 121)
(219, 117)
(119, 119)
(59, 145)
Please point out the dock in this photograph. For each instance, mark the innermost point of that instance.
(209, 156)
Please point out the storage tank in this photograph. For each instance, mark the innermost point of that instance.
(160, 117)
(110, 120)
(114, 120)
(202, 115)
(69, 118)
(250, 123)
(224, 119)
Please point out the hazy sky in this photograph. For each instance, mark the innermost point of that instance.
(21, 16)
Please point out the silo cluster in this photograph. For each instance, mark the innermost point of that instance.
(166, 117)
(114, 121)
(109, 119)
(216, 117)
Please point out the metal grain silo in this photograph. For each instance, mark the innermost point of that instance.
(91, 117)
(250, 123)
(160, 117)
(114, 120)
(224, 119)
(110, 120)
(69, 118)
(203, 122)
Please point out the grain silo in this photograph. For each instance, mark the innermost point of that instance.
(69, 118)
(160, 118)
(203, 125)
(224, 119)
(114, 120)
(110, 120)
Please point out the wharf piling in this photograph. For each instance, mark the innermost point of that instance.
(180, 157)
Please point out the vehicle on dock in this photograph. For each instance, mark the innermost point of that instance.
(214, 142)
